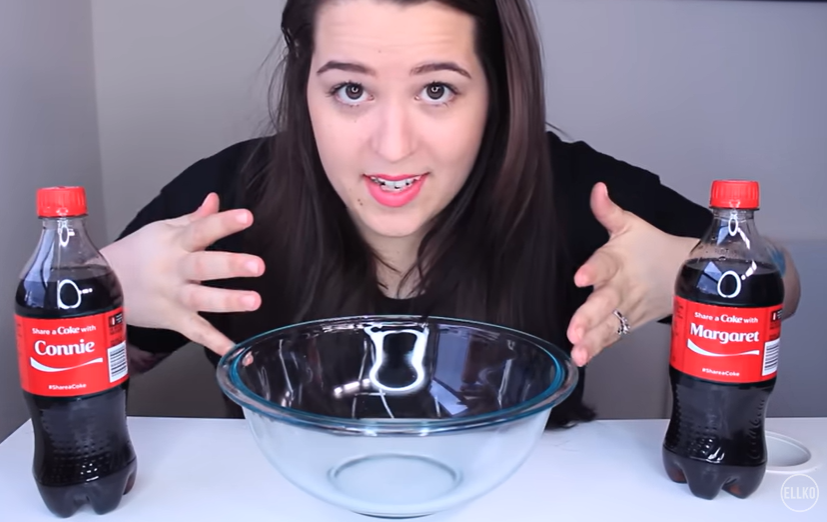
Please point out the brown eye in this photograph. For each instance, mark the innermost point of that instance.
(350, 94)
(435, 92)
(354, 92)
(438, 94)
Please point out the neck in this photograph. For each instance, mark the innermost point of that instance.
(396, 256)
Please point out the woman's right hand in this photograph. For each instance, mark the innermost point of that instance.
(161, 266)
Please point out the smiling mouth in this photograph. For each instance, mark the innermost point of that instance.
(395, 185)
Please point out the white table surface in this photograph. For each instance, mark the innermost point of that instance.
(211, 470)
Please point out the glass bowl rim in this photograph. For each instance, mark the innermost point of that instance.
(229, 380)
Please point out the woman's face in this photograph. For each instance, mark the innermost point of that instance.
(398, 102)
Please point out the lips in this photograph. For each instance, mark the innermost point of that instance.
(394, 190)
(395, 183)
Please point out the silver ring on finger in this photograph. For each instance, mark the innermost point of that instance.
(624, 327)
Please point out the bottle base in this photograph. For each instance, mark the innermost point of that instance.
(103, 495)
(707, 479)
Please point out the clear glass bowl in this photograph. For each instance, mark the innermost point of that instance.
(396, 416)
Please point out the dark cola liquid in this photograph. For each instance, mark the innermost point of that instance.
(715, 438)
(698, 281)
(83, 452)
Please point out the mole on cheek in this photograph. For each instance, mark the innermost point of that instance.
(360, 202)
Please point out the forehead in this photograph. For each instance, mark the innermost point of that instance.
(393, 32)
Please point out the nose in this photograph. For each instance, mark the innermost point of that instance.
(393, 137)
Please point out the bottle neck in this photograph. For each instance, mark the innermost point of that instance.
(731, 223)
(734, 234)
(64, 243)
(64, 229)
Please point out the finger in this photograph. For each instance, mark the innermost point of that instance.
(206, 266)
(200, 331)
(607, 212)
(210, 205)
(200, 298)
(596, 310)
(598, 270)
(204, 232)
(595, 340)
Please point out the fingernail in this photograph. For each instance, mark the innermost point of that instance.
(251, 267)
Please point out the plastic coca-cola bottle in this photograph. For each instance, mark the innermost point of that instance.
(726, 330)
(71, 346)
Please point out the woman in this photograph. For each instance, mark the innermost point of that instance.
(410, 171)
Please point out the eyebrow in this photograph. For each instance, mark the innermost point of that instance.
(421, 69)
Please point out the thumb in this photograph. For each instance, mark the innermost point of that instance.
(607, 212)
(209, 206)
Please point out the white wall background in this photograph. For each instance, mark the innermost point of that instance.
(696, 90)
(693, 90)
(176, 81)
(48, 136)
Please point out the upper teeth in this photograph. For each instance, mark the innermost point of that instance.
(402, 183)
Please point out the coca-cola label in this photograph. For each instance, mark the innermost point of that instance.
(71, 357)
(725, 344)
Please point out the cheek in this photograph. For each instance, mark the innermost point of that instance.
(457, 143)
(323, 121)
(332, 139)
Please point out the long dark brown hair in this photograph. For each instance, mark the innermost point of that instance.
(493, 254)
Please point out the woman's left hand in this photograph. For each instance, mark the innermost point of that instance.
(633, 273)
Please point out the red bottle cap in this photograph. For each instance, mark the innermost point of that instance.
(61, 202)
(733, 193)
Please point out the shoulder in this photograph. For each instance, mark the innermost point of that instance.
(577, 167)
(217, 173)
(220, 173)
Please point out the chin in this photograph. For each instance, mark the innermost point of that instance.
(392, 227)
